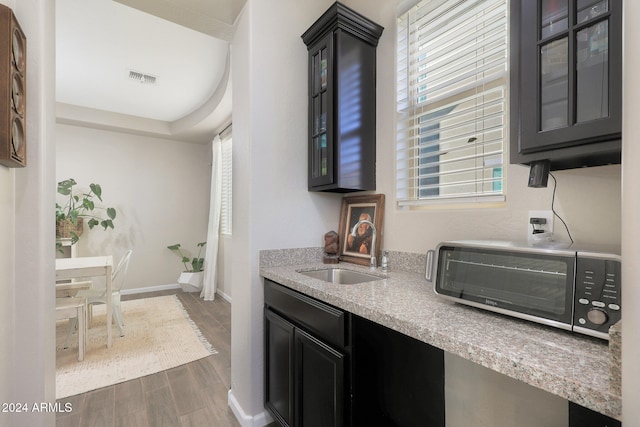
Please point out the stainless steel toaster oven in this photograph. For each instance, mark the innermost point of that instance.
(572, 289)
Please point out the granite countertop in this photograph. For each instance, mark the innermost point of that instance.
(572, 366)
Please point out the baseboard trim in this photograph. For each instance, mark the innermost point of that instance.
(223, 295)
(150, 289)
(245, 420)
(165, 288)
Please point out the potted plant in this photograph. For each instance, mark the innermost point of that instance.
(190, 279)
(80, 205)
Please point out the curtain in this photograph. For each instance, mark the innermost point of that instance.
(209, 283)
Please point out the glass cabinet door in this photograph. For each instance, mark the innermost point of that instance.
(554, 17)
(592, 61)
(554, 64)
(554, 84)
(574, 38)
(321, 149)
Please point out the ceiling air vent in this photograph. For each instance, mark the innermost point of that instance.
(146, 79)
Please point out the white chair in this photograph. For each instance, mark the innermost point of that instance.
(99, 296)
(74, 309)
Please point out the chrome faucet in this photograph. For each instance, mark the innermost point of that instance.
(372, 264)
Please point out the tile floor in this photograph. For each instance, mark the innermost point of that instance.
(194, 394)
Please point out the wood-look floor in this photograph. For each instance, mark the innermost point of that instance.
(194, 394)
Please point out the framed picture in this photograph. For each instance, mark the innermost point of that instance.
(357, 249)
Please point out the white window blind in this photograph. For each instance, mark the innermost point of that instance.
(225, 211)
(451, 101)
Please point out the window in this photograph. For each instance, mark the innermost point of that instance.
(451, 101)
(225, 210)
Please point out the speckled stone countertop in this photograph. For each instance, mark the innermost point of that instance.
(574, 367)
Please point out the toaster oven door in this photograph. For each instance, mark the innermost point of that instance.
(532, 285)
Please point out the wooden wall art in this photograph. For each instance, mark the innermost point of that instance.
(13, 86)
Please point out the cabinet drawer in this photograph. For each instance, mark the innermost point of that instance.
(322, 320)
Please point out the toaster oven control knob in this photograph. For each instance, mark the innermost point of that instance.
(597, 317)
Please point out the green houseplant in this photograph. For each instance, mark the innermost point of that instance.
(196, 264)
(80, 205)
(190, 279)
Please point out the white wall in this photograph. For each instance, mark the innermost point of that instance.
(7, 275)
(630, 215)
(27, 358)
(271, 205)
(273, 210)
(7, 280)
(225, 282)
(160, 189)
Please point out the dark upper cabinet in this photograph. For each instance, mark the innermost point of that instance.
(342, 101)
(566, 82)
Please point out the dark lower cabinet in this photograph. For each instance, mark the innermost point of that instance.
(304, 377)
(279, 375)
(397, 380)
(328, 368)
(320, 383)
(306, 360)
(580, 416)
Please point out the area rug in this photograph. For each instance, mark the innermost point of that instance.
(158, 335)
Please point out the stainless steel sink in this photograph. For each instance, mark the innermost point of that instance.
(341, 276)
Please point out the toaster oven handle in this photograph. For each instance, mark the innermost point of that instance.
(428, 274)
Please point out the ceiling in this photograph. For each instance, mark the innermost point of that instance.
(154, 67)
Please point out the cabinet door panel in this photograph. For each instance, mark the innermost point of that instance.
(592, 72)
(555, 17)
(279, 374)
(321, 148)
(319, 383)
(554, 84)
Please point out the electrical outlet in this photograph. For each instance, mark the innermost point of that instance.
(540, 226)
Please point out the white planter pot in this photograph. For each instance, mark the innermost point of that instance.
(191, 282)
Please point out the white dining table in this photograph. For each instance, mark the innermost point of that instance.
(83, 267)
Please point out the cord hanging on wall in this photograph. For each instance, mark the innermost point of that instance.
(553, 199)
